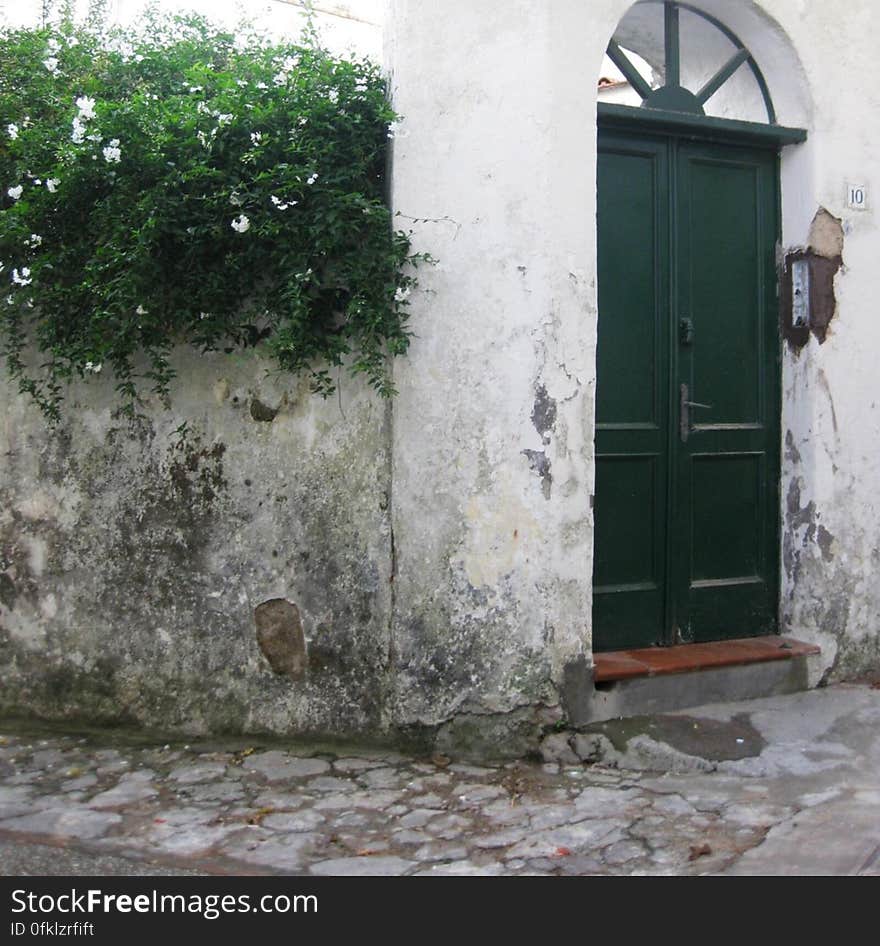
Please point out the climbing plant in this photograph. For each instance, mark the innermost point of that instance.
(178, 183)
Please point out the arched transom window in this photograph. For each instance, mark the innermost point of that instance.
(696, 65)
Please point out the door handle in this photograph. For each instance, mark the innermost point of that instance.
(684, 416)
(686, 331)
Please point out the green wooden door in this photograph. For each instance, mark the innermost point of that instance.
(687, 402)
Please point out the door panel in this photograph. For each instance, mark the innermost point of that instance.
(685, 520)
(632, 408)
(634, 223)
(727, 471)
(628, 485)
(725, 524)
(719, 288)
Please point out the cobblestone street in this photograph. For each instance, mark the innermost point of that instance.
(806, 800)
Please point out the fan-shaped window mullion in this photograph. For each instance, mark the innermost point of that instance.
(671, 96)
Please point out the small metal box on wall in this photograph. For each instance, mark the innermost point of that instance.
(806, 296)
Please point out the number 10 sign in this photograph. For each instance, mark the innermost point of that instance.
(856, 197)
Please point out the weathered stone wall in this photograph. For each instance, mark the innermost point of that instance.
(437, 552)
(133, 557)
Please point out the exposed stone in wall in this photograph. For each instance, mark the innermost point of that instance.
(262, 412)
(826, 235)
(280, 636)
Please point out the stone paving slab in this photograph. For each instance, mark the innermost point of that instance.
(804, 798)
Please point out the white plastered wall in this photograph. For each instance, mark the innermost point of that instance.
(496, 161)
(493, 450)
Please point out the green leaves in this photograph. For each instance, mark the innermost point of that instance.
(184, 185)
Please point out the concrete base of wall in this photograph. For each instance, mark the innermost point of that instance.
(661, 694)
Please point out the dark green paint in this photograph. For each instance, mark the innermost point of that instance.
(671, 96)
(698, 127)
(686, 517)
(671, 44)
(633, 76)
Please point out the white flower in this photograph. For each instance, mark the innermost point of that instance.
(256, 137)
(78, 135)
(281, 204)
(53, 45)
(51, 64)
(112, 153)
(94, 368)
(333, 96)
(52, 184)
(236, 199)
(33, 240)
(262, 85)
(140, 310)
(312, 179)
(123, 47)
(10, 300)
(12, 129)
(204, 315)
(86, 107)
(15, 192)
(401, 295)
(22, 278)
(223, 119)
(241, 224)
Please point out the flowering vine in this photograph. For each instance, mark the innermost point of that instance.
(179, 184)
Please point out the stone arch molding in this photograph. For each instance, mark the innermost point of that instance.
(705, 49)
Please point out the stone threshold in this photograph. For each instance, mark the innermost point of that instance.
(611, 666)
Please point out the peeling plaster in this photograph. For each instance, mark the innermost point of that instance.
(539, 464)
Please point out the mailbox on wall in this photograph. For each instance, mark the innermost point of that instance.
(806, 296)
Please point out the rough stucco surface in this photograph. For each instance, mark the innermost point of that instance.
(831, 414)
(496, 160)
(493, 546)
(134, 556)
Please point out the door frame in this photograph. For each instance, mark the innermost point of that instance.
(655, 124)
